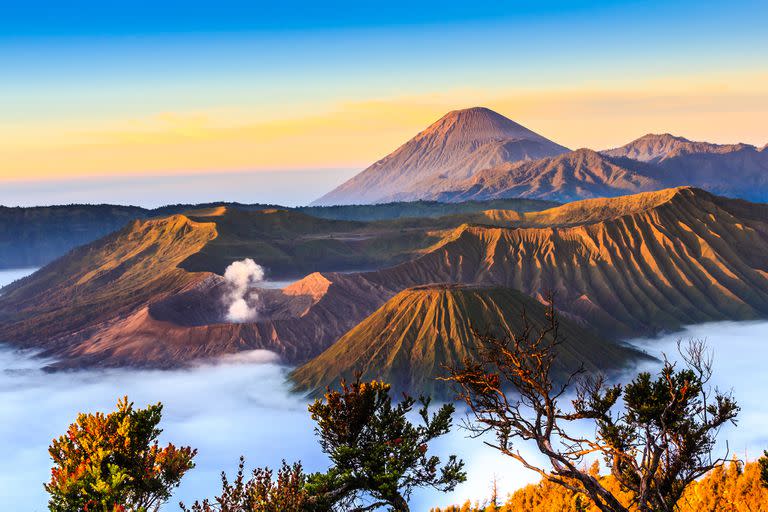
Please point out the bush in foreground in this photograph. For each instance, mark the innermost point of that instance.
(261, 492)
(731, 488)
(113, 462)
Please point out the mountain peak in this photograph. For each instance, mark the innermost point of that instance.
(455, 147)
(414, 336)
(655, 148)
(478, 110)
(479, 124)
(666, 137)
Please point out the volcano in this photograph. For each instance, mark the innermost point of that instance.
(452, 149)
(414, 337)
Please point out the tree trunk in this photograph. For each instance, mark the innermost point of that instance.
(400, 505)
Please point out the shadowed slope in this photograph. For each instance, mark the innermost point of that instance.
(455, 147)
(103, 280)
(410, 339)
(572, 176)
(31, 237)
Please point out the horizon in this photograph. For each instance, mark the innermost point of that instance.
(149, 191)
(98, 90)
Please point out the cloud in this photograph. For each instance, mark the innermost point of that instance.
(241, 405)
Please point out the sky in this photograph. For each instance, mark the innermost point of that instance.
(136, 89)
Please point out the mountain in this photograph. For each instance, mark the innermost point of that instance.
(571, 176)
(655, 148)
(652, 162)
(734, 170)
(102, 281)
(629, 266)
(31, 237)
(152, 293)
(452, 149)
(125, 300)
(411, 339)
(35, 236)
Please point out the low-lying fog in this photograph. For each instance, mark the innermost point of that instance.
(241, 405)
(8, 276)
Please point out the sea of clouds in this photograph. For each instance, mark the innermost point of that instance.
(241, 404)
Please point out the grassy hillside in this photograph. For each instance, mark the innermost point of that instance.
(410, 339)
(734, 487)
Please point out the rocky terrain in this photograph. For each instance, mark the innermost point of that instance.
(627, 266)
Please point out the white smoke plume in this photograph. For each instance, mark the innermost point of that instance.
(242, 304)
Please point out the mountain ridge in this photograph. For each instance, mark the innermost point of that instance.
(629, 266)
(35, 236)
(652, 266)
(659, 147)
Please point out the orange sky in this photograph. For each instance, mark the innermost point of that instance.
(718, 108)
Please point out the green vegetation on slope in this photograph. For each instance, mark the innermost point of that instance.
(35, 236)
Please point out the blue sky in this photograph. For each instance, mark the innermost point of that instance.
(141, 17)
(87, 86)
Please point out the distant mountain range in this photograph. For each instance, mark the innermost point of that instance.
(479, 154)
(34, 236)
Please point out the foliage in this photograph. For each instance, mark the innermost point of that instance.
(260, 493)
(113, 462)
(764, 469)
(377, 453)
(655, 434)
(378, 458)
(730, 488)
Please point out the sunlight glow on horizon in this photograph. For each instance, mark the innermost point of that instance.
(135, 95)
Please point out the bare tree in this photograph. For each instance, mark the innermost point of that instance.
(655, 434)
